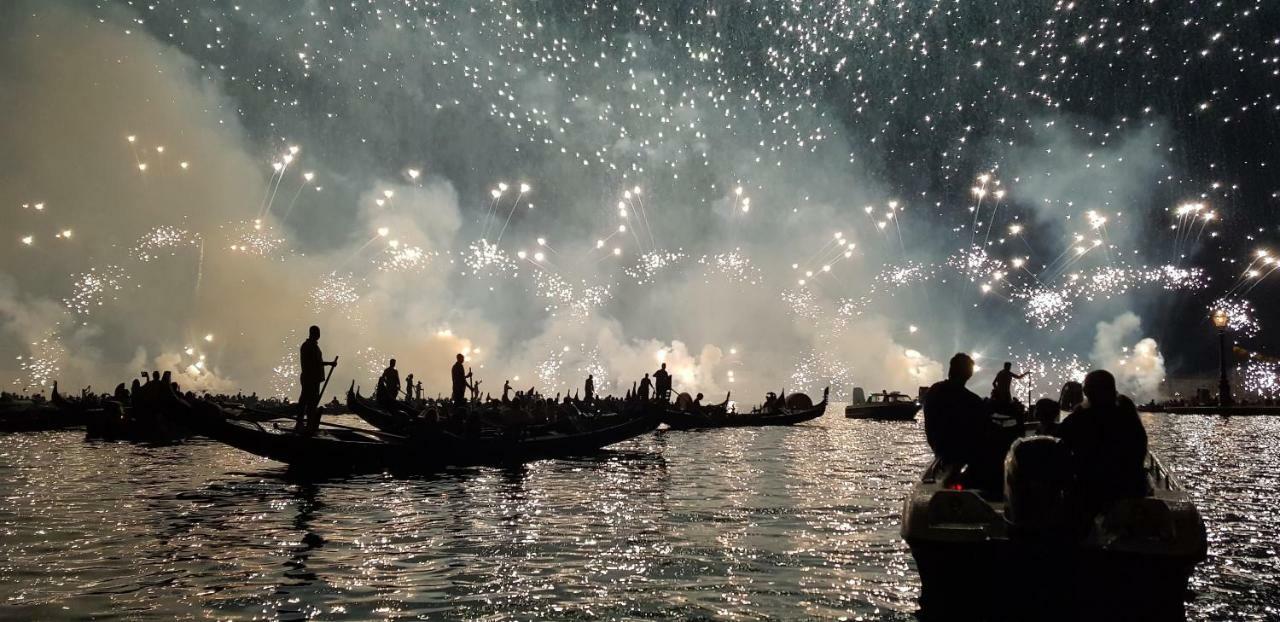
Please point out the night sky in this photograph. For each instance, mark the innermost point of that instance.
(874, 185)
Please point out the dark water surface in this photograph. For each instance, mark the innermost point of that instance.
(729, 524)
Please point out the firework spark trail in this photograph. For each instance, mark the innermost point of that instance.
(524, 188)
(306, 179)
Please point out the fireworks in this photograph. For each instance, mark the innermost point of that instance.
(1241, 317)
(733, 266)
(163, 241)
(93, 289)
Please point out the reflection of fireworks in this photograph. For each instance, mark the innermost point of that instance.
(1241, 318)
(93, 288)
(163, 240)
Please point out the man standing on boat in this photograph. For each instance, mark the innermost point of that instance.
(662, 383)
(313, 364)
(645, 385)
(389, 384)
(460, 385)
(589, 390)
(1000, 387)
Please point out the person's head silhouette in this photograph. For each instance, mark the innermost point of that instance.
(1100, 388)
(1007, 365)
(314, 332)
(961, 367)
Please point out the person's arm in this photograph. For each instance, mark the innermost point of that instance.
(1022, 375)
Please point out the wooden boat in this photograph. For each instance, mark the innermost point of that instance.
(884, 406)
(374, 415)
(800, 410)
(977, 559)
(426, 449)
(30, 416)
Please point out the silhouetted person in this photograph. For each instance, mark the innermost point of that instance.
(1047, 413)
(1108, 446)
(1000, 393)
(662, 383)
(313, 364)
(645, 385)
(697, 404)
(408, 387)
(460, 387)
(506, 388)
(959, 428)
(389, 384)
(589, 389)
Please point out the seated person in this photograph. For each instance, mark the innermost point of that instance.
(959, 428)
(1047, 413)
(1108, 446)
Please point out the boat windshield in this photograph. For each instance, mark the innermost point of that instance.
(888, 398)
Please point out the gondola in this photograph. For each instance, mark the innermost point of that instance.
(978, 557)
(799, 410)
(426, 449)
(31, 416)
(374, 415)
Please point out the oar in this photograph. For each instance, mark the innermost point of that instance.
(386, 435)
(326, 380)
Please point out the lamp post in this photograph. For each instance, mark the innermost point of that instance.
(1220, 320)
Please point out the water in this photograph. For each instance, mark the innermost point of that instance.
(728, 524)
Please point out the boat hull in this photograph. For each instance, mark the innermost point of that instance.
(680, 420)
(1132, 561)
(1003, 580)
(886, 412)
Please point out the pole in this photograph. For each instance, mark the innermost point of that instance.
(326, 380)
(1224, 386)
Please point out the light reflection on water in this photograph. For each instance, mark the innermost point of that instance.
(732, 524)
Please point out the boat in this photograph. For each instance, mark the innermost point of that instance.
(344, 448)
(798, 408)
(883, 406)
(974, 554)
(377, 416)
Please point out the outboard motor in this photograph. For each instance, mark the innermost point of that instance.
(1037, 473)
(858, 396)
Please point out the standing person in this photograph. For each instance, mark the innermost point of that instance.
(589, 390)
(662, 383)
(1000, 393)
(460, 386)
(645, 385)
(389, 384)
(313, 364)
(408, 387)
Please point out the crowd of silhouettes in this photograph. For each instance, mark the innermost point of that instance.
(1103, 441)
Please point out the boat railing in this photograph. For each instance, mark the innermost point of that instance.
(1161, 478)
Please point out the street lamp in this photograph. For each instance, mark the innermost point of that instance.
(1220, 320)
